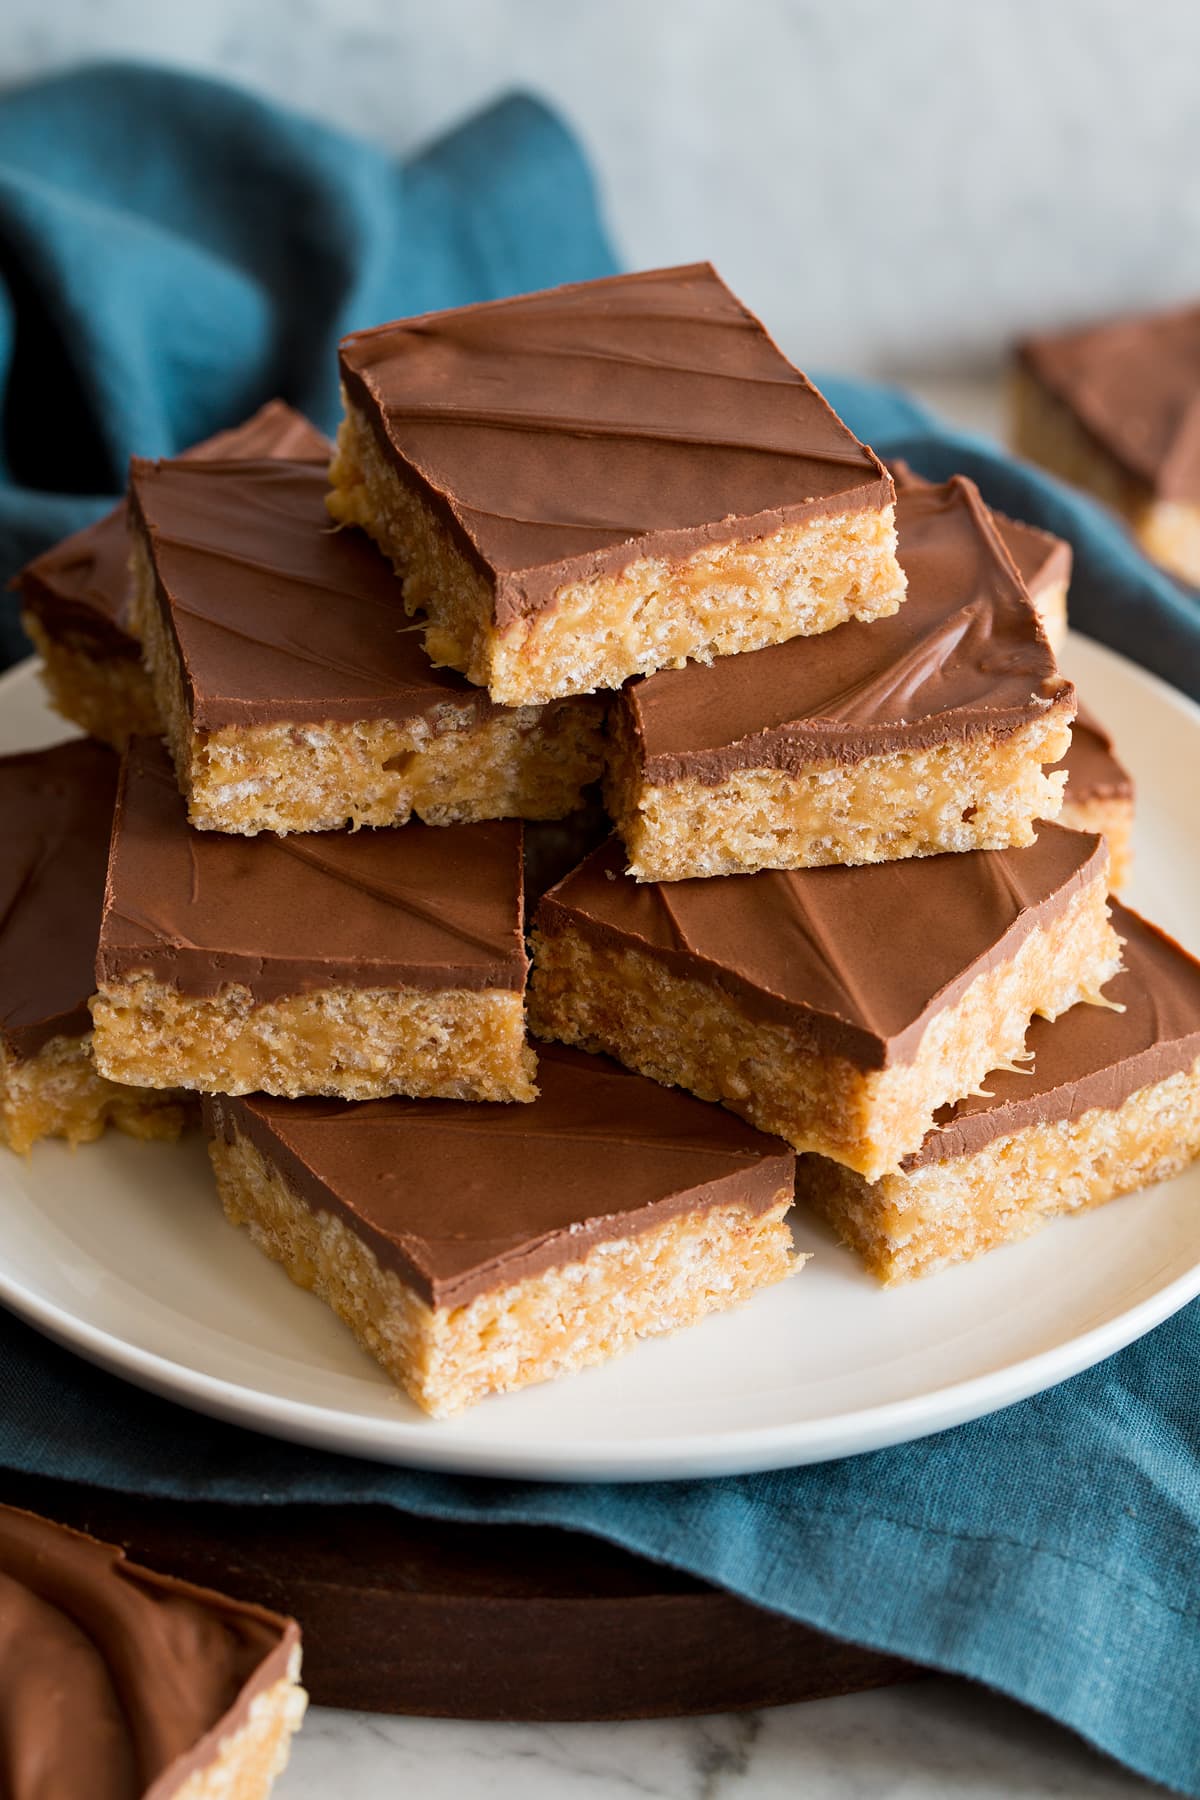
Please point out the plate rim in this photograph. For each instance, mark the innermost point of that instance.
(416, 1445)
(420, 1444)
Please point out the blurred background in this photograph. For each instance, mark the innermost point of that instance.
(898, 189)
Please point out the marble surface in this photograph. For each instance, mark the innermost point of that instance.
(896, 188)
(929, 1740)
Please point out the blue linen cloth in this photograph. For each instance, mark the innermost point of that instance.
(174, 251)
(179, 252)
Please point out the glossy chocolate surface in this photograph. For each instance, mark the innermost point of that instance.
(856, 961)
(276, 616)
(1043, 560)
(1134, 386)
(565, 434)
(117, 1683)
(414, 907)
(1090, 1057)
(56, 809)
(79, 589)
(964, 657)
(1094, 771)
(463, 1198)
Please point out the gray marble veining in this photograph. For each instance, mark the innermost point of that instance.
(932, 1740)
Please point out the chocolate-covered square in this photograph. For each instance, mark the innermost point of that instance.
(416, 907)
(563, 435)
(1090, 1057)
(1133, 386)
(461, 1198)
(964, 657)
(856, 961)
(79, 590)
(276, 617)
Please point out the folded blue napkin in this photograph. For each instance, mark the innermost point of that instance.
(175, 253)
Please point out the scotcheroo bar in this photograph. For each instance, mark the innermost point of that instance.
(76, 597)
(604, 480)
(56, 809)
(295, 694)
(1043, 561)
(1110, 1102)
(476, 1249)
(353, 963)
(1099, 794)
(836, 1007)
(925, 732)
(1115, 408)
(123, 1684)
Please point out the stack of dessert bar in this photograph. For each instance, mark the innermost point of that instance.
(835, 949)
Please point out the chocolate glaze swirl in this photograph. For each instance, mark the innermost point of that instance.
(277, 617)
(564, 434)
(1043, 560)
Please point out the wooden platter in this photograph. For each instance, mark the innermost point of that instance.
(405, 1615)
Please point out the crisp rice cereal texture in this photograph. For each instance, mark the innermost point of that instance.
(58, 1092)
(1112, 819)
(108, 697)
(529, 763)
(912, 1223)
(351, 1043)
(539, 1328)
(983, 794)
(687, 1033)
(249, 1759)
(652, 615)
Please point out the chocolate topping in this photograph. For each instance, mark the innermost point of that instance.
(1134, 386)
(80, 588)
(1043, 560)
(1093, 771)
(965, 655)
(419, 907)
(277, 617)
(565, 434)
(1089, 1057)
(855, 960)
(462, 1199)
(117, 1683)
(56, 809)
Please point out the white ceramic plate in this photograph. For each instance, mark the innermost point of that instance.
(121, 1252)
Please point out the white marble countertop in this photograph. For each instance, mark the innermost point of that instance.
(927, 1740)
